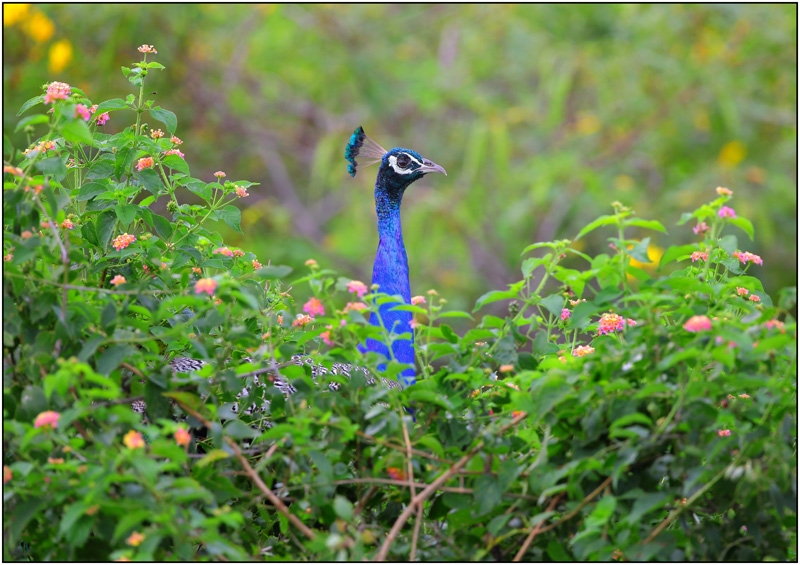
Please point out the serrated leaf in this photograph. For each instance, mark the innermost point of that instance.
(232, 216)
(166, 117)
(675, 251)
(111, 105)
(176, 163)
(30, 103)
(448, 333)
(554, 304)
(745, 225)
(599, 222)
(163, 227)
(274, 271)
(52, 166)
(31, 121)
(77, 131)
(150, 180)
(126, 213)
(91, 189)
(647, 224)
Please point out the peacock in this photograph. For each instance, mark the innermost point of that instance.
(399, 168)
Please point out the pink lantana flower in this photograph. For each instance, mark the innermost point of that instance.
(122, 241)
(700, 228)
(699, 256)
(776, 324)
(57, 91)
(302, 320)
(103, 118)
(220, 174)
(358, 287)
(47, 420)
(747, 257)
(314, 307)
(176, 140)
(7, 474)
(326, 336)
(223, 251)
(156, 134)
(723, 433)
(67, 224)
(417, 300)
(133, 440)
(144, 163)
(697, 324)
(565, 314)
(182, 437)
(356, 306)
(83, 112)
(175, 152)
(118, 280)
(205, 285)
(147, 49)
(241, 192)
(726, 212)
(722, 191)
(754, 298)
(610, 323)
(582, 350)
(256, 264)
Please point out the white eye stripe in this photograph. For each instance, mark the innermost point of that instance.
(397, 169)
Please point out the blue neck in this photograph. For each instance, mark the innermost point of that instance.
(390, 272)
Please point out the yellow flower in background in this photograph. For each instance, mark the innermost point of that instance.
(654, 253)
(59, 56)
(39, 27)
(732, 154)
(14, 13)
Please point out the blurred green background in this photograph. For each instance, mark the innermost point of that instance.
(542, 116)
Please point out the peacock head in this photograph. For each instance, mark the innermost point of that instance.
(399, 167)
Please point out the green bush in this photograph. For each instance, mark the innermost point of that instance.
(640, 413)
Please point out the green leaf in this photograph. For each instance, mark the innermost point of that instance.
(162, 226)
(599, 222)
(106, 224)
(176, 163)
(675, 251)
(90, 190)
(23, 512)
(126, 213)
(150, 179)
(212, 456)
(31, 121)
(487, 493)
(30, 103)
(110, 105)
(232, 216)
(343, 507)
(497, 295)
(448, 333)
(554, 304)
(77, 131)
(647, 224)
(112, 357)
(239, 430)
(602, 512)
(646, 502)
(53, 166)
(166, 117)
(274, 271)
(745, 225)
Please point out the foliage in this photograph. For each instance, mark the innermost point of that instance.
(541, 114)
(624, 416)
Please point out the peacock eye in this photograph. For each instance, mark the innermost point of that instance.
(403, 161)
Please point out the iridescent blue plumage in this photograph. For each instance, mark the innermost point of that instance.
(399, 168)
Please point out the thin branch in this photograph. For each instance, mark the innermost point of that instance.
(420, 498)
(577, 509)
(535, 530)
(265, 490)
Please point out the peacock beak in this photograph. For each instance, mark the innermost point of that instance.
(431, 167)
